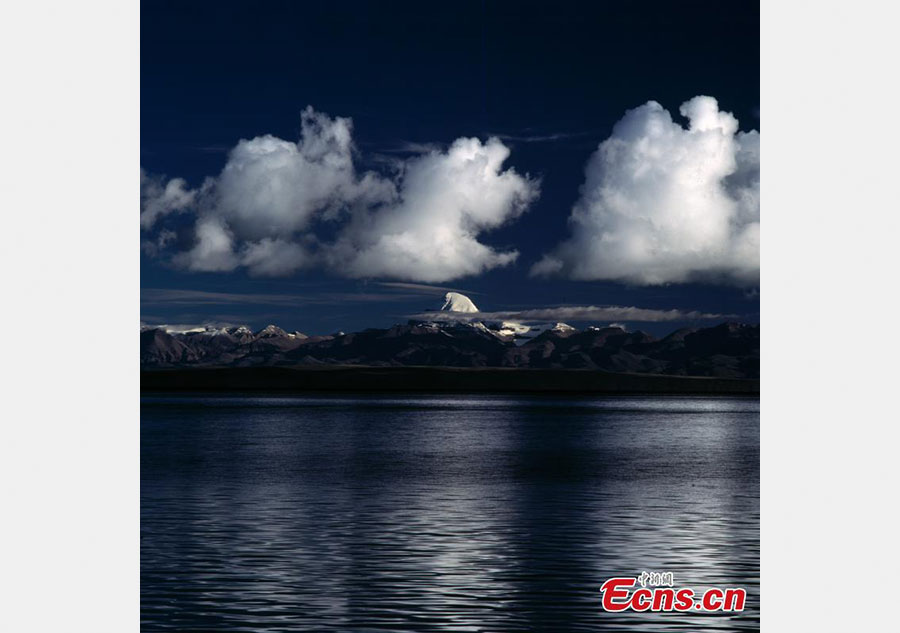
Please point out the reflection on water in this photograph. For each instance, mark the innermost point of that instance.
(462, 513)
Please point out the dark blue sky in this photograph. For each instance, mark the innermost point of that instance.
(550, 78)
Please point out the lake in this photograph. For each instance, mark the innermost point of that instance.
(461, 513)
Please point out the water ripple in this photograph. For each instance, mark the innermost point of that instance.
(446, 513)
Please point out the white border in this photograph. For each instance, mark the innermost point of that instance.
(829, 344)
(69, 452)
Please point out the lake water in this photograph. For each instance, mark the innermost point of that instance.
(452, 513)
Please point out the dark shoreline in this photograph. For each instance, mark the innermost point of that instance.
(435, 380)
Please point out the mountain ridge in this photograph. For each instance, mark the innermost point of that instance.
(727, 350)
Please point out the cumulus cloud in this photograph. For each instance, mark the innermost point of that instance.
(274, 199)
(274, 188)
(213, 250)
(575, 313)
(430, 234)
(160, 197)
(275, 257)
(666, 203)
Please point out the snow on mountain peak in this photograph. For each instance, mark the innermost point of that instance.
(456, 302)
(271, 330)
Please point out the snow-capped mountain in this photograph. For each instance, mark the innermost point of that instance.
(456, 337)
(727, 350)
(461, 310)
(456, 302)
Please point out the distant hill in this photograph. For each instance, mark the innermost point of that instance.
(728, 350)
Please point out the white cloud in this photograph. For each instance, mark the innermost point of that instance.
(430, 234)
(274, 188)
(663, 203)
(213, 250)
(274, 257)
(575, 313)
(266, 208)
(159, 243)
(159, 198)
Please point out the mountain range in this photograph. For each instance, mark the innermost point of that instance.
(727, 350)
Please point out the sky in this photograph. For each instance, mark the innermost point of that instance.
(340, 165)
